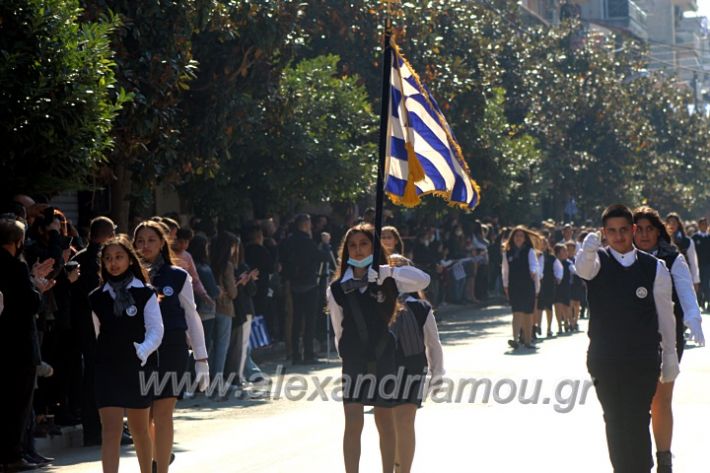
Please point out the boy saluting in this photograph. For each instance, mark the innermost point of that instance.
(631, 335)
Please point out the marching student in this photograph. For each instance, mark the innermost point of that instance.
(520, 281)
(546, 262)
(362, 304)
(578, 291)
(183, 329)
(129, 328)
(686, 245)
(651, 236)
(392, 241)
(563, 288)
(631, 318)
(701, 241)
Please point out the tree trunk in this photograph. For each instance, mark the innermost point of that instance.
(120, 204)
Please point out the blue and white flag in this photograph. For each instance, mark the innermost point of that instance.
(423, 156)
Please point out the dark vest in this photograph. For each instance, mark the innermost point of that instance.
(669, 255)
(519, 269)
(168, 283)
(702, 248)
(375, 314)
(409, 331)
(623, 322)
(548, 272)
(683, 243)
(114, 345)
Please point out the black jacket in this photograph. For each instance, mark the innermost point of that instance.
(82, 321)
(301, 260)
(18, 338)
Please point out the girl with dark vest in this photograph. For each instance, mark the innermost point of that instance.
(183, 330)
(562, 269)
(418, 349)
(520, 281)
(362, 302)
(129, 328)
(686, 245)
(652, 237)
(546, 262)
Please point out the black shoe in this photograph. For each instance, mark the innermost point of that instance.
(38, 459)
(549, 334)
(19, 465)
(513, 344)
(126, 438)
(530, 346)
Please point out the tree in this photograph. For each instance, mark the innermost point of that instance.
(57, 95)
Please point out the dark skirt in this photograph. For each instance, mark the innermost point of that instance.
(547, 295)
(563, 293)
(124, 385)
(367, 382)
(522, 296)
(578, 291)
(411, 383)
(172, 365)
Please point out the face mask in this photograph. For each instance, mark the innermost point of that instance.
(362, 263)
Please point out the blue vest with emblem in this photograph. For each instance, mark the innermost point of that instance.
(168, 283)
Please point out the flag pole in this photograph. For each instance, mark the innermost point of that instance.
(384, 121)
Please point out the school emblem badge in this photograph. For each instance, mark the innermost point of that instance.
(131, 311)
(641, 292)
(168, 291)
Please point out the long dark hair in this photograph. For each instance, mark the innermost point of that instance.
(652, 215)
(160, 230)
(135, 266)
(681, 227)
(198, 249)
(221, 252)
(399, 246)
(344, 255)
(532, 239)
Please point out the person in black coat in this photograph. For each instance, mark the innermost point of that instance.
(18, 344)
(100, 230)
(301, 259)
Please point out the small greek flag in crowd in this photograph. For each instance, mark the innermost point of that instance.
(259, 336)
(423, 156)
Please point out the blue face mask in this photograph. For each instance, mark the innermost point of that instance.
(360, 263)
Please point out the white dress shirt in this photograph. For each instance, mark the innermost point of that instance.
(558, 270)
(407, 278)
(683, 283)
(693, 262)
(588, 266)
(151, 315)
(195, 331)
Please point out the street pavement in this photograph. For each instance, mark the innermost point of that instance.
(504, 435)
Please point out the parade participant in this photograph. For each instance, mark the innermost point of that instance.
(631, 317)
(520, 275)
(392, 241)
(361, 303)
(701, 241)
(183, 329)
(545, 299)
(129, 328)
(651, 236)
(418, 352)
(578, 291)
(562, 269)
(686, 245)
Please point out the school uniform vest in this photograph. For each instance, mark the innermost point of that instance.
(623, 322)
(669, 255)
(548, 272)
(519, 269)
(168, 283)
(408, 328)
(114, 344)
(375, 315)
(683, 243)
(702, 248)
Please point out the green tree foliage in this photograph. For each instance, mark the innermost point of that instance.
(57, 95)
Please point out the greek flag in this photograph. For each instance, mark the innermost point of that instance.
(423, 156)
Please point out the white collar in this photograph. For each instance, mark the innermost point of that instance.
(134, 283)
(702, 234)
(348, 274)
(625, 259)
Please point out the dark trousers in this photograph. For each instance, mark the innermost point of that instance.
(625, 390)
(704, 293)
(16, 401)
(305, 306)
(90, 419)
